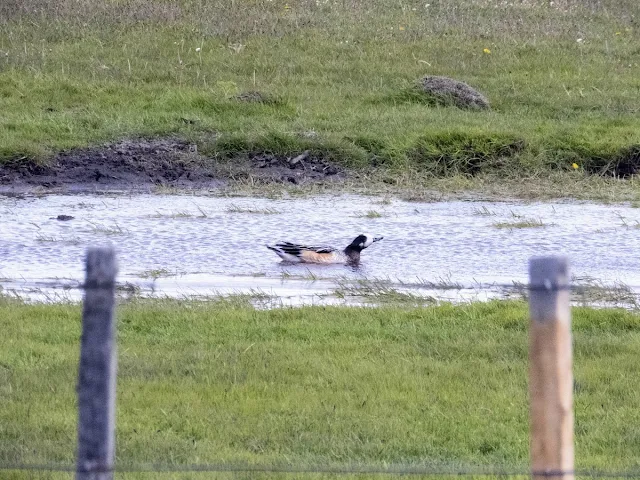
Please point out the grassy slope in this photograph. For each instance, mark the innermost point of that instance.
(316, 386)
(77, 74)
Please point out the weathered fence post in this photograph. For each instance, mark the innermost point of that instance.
(550, 376)
(97, 371)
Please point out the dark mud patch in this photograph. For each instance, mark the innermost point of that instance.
(141, 165)
(296, 169)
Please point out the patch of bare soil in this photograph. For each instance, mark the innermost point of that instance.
(140, 164)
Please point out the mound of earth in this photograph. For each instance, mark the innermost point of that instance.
(141, 164)
(447, 91)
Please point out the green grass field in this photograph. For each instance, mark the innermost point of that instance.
(211, 383)
(562, 78)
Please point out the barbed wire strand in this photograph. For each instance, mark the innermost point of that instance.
(326, 469)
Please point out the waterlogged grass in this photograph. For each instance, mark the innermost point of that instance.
(180, 214)
(369, 214)
(525, 223)
(253, 210)
(591, 291)
(562, 80)
(220, 382)
(41, 237)
(484, 212)
(114, 229)
(157, 273)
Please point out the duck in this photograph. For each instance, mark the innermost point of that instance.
(297, 253)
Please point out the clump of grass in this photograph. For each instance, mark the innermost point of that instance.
(378, 292)
(114, 229)
(385, 200)
(84, 206)
(254, 298)
(530, 223)
(131, 289)
(181, 214)
(41, 237)
(418, 195)
(625, 223)
(156, 273)
(441, 283)
(448, 91)
(253, 210)
(331, 150)
(590, 291)
(450, 153)
(203, 213)
(308, 275)
(369, 214)
(483, 212)
(255, 96)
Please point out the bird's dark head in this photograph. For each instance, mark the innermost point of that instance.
(363, 241)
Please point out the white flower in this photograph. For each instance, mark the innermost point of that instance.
(198, 49)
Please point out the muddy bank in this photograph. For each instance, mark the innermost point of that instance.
(140, 165)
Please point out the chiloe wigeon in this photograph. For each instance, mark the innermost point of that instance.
(294, 252)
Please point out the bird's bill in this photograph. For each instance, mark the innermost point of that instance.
(377, 239)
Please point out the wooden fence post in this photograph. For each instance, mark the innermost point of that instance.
(550, 376)
(97, 371)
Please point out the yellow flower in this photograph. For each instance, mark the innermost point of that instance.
(575, 166)
(487, 51)
(401, 27)
(618, 33)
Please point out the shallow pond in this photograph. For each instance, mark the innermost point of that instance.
(200, 245)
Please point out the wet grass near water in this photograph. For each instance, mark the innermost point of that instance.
(220, 382)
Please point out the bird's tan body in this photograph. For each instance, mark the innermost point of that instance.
(310, 256)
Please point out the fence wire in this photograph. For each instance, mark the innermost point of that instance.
(400, 470)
